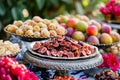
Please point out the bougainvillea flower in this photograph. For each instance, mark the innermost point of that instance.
(113, 62)
(104, 64)
(110, 61)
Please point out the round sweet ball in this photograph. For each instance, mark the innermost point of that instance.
(60, 30)
(28, 27)
(19, 32)
(36, 28)
(18, 23)
(29, 33)
(12, 28)
(42, 25)
(36, 34)
(46, 21)
(30, 22)
(51, 26)
(37, 19)
(45, 33)
(53, 33)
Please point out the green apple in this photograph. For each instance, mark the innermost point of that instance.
(77, 35)
(81, 26)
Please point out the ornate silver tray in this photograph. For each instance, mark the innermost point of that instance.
(77, 64)
(62, 58)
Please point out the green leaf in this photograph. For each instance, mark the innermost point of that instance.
(20, 9)
(54, 1)
(68, 1)
(14, 13)
(21, 2)
(2, 9)
(79, 8)
(40, 3)
(9, 2)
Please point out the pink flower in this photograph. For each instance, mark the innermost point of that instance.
(109, 7)
(104, 64)
(12, 70)
(117, 10)
(112, 1)
(110, 61)
(104, 11)
(113, 62)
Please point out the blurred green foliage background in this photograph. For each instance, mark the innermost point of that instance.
(11, 10)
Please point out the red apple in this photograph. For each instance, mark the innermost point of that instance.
(72, 22)
(92, 30)
(97, 24)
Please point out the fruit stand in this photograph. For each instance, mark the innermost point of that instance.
(66, 47)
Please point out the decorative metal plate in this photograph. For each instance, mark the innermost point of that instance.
(52, 57)
(63, 64)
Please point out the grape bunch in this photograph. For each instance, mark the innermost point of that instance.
(107, 75)
(10, 69)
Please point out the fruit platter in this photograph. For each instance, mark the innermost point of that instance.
(35, 29)
(81, 28)
(59, 52)
(62, 48)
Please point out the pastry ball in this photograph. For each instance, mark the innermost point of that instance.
(19, 32)
(60, 30)
(16, 48)
(29, 33)
(42, 25)
(12, 28)
(2, 50)
(51, 26)
(53, 33)
(37, 19)
(18, 23)
(27, 27)
(22, 27)
(46, 21)
(36, 28)
(30, 22)
(36, 34)
(41, 29)
(45, 33)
